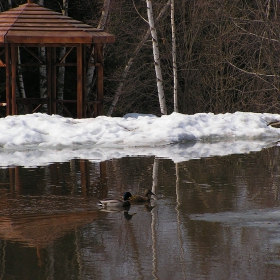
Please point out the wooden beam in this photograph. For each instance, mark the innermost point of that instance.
(14, 58)
(35, 101)
(8, 79)
(53, 81)
(62, 60)
(34, 55)
(80, 93)
(85, 98)
(49, 78)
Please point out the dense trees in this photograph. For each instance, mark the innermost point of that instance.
(227, 53)
(227, 56)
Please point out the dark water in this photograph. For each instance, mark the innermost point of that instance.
(215, 218)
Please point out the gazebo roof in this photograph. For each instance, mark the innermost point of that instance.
(32, 24)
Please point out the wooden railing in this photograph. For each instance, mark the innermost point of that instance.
(32, 105)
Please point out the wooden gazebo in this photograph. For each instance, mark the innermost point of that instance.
(30, 26)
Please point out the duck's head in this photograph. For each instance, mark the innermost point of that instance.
(149, 193)
(126, 196)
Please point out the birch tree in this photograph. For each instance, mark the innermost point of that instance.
(43, 70)
(43, 74)
(104, 15)
(61, 69)
(154, 214)
(161, 95)
(20, 77)
(174, 61)
(131, 61)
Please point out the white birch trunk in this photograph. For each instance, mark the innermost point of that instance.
(104, 15)
(20, 77)
(161, 96)
(90, 74)
(174, 61)
(154, 214)
(60, 79)
(61, 69)
(43, 73)
(43, 70)
(130, 62)
(179, 223)
(154, 242)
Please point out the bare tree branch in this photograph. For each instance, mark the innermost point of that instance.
(131, 60)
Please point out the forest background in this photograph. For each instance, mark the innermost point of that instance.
(227, 53)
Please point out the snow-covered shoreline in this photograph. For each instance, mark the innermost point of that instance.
(40, 139)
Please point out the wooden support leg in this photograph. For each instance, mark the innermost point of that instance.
(80, 93)
(49, 78)
(14, 58)
(84, 73)
(8, 79)
(53, 81)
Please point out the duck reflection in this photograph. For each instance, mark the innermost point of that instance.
(148, 207)
(124, 209)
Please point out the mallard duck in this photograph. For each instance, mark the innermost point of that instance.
(115, 202)
(142, 198)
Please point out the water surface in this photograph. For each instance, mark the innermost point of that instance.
(215, 218)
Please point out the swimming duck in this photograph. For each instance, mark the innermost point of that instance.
(139, 198)
(115, 202)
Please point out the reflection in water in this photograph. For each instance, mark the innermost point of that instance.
(180, 238)
(214, 218)
(154, 218)
(125, 211)
(41, 230)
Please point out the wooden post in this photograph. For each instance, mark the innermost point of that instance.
(98, 52)
(85, 98)
(8, 79)
(80, 93)
(53, 80)
(14, 58)
(49, 78)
